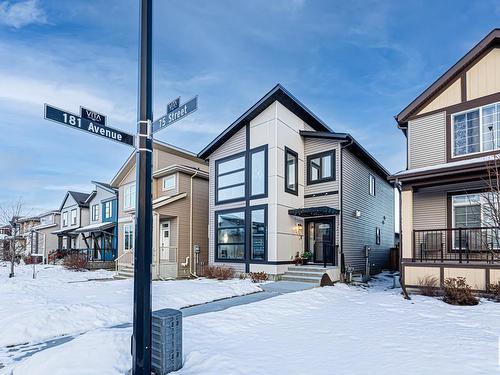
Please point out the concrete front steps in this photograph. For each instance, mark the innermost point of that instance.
(308, 273)
(126, 272)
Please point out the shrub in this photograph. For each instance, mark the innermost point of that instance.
(219, 272)
(458, 292)
(428, 286)
(494, 292)
(258, 277)
(75, 262)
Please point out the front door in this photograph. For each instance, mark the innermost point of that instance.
(321, 240)
(165, 235)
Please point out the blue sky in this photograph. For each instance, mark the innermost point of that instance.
(354, 63)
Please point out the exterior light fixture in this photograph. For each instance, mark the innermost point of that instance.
(299, 230)
(357, 213)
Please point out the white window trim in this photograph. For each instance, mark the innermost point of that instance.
(172, 176)
(76, 216)
(132, 230)
(65, 219)
(466, 204)
(96, 206)
(105, 204)
(132, 204)
(370, 179)
(452, 151)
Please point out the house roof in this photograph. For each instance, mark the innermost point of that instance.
(352, 145)
(80, 198)
(277, 93)
(105, 186)
(490, 40)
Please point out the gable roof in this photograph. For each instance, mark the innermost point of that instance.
(105, 186)
(277, 93)
(490, 40)
(352, 145)
(80, 199)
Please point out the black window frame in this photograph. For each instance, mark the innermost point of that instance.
(370, 177)
(249, 176)
(321, 155)
(289, 151)
(245, 169)
(247, 244)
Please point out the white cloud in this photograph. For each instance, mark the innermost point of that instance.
(21, 13)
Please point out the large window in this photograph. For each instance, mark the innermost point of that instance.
(73, 216)
(45, 220)
(128, 237)
(230, 178)
(129, 196)
(65, 218)
(476, 130)
(321, 167)
(258, 168)
(291, 171)
(468, 210)
(95, 212)
(231, 235)
(241, 234)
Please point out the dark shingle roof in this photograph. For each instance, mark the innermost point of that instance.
(80, 198)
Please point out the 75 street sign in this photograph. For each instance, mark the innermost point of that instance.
(175, 112)
(69, 119)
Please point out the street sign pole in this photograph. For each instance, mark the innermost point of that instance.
(141, 339)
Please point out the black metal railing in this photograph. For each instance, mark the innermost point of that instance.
(462, 245)
(103, 255)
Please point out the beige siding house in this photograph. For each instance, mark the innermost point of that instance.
(278, 177)
(45, 241)
(180, 212)
(453, 139)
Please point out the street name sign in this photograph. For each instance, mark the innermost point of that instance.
(93, 116)
(175, 115)
(69, 119)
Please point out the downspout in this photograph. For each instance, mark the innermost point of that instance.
(342, 262)
(191, 252)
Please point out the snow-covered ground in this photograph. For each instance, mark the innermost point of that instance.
(61, 302)
(331, 330)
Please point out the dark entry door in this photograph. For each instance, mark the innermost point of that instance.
(321, 240)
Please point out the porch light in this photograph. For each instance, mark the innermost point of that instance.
(299, 230)
(357, 213)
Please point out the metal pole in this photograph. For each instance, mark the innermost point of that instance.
(141, 339)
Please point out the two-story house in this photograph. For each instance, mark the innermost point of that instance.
(101, 234)
(74, 215)
(44, 241)
(448, 228)
(283, 184)
(180, 213)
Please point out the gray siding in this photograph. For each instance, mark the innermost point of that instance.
(358, 232)
(314, 146)
(427, 141)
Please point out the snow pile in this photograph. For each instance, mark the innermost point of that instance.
(340, 329)
(61, 302)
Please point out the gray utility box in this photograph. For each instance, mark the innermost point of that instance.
(166, 353)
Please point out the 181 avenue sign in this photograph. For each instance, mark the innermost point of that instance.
(180, 112)
(81, 123)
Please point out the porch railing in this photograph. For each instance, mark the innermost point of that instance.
(127, 258)
(462, 245)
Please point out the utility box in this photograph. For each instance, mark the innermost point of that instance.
(166, 351)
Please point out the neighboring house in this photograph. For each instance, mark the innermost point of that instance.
(74, 215)
(282, 183)
(180, 212)
(44, 241)
(101, 234)
(5, 232)
(453, 134)
(25, 230)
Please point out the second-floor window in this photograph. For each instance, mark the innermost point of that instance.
(169, 182)
(108, 209)
(95, 212)
(129, 196)
(258, 168)
(291, 171)
(321, 167)
(65, 218)
(73, 216)
(372, 184)
(45, 220)
(230, 178)
(477, 130)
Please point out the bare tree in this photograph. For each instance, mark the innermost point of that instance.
(10, 216)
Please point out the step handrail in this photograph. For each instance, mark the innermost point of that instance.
(126, 252)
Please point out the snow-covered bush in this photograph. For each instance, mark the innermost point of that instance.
(494, 292)
(458, 292)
